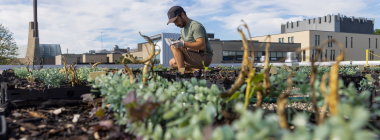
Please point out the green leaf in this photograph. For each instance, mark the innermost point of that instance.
(234, 96)
(368, 76)
(194, 81)
(258, 78)
(100, 113)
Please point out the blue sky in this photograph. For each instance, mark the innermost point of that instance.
(77, 24)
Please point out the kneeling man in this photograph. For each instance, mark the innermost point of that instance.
(194, 46)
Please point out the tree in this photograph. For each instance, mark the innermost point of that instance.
(376, 32)
(8, 47)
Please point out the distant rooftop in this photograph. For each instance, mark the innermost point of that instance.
(334, 23)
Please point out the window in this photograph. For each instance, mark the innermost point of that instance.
(309, 21)
(376, 43)
(291, 25)
(232, 55)
(369, 42)
(259, 54)
(331, 55)
(329, 18)
(328, 38)
(304, 55)
(346, 42)
(326, 54)
(288, 39)
(314, 20)
(325, 18)
(351, 41)
(239, 55)
(297, 23)
(279, 54)
(312, 54)
(272, 56)
(370, 57)
(320, 54)
(316, 41)
(319, 20)
(292, 39)
(279, 40)
(225, 55)
(329, 44)
(287, 25)
(282, 40)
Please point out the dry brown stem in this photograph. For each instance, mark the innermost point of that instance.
(151, 55)
(145, 71)
(93, 66)
(260, 95)
(333, 83)
(129, 71)
(312, 81)
(326, 97)
(243, 72)
(281, 103)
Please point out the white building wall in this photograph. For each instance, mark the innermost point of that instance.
(166, 53)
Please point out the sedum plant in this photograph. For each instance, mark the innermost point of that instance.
(22, 72)
(51, 77)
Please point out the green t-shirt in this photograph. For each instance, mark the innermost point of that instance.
(193, 31)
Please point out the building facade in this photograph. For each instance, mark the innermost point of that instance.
(356, 35)
(332, 23)
(231, 51)
(225, 51)
(354, 44)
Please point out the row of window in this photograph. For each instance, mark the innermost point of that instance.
(317, 41)
(369, 43)
(319, 21)
(290, 40)
(371, 55)
(238, 55)
(314, 53)
(346, 42)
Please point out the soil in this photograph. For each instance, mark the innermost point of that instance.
(45, 122)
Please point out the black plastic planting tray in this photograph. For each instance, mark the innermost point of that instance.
(9, 94)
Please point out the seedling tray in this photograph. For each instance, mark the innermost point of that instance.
(9, 95)
(3, 128)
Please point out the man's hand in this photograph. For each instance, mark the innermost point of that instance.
(178, 44)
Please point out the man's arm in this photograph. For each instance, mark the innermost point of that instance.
(199, 44)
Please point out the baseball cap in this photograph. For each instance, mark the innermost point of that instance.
(174, 12)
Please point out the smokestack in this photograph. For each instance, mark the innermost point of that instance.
(35, 18)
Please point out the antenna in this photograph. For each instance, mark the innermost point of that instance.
(101, 39)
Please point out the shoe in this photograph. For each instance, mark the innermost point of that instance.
(199, 73)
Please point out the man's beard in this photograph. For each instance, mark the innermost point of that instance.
(183, 23)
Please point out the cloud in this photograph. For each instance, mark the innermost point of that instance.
(265, 17)
(76, 25)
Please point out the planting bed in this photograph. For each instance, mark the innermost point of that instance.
(56, 119)
(224, 103)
